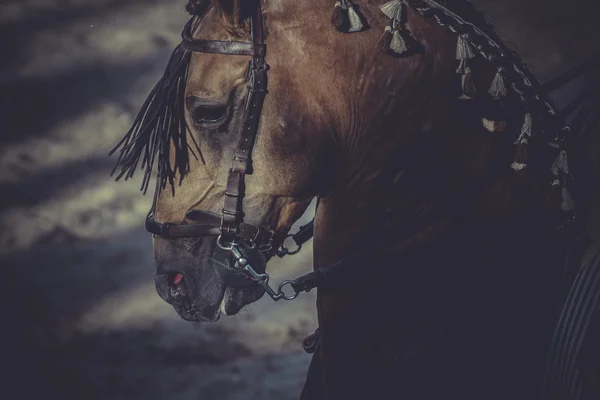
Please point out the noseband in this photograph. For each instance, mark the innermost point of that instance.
(229, 227)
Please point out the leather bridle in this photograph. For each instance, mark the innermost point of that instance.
(229, 227)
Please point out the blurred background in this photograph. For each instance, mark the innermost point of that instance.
(80, 315)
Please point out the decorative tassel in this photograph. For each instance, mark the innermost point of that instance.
(464, 49)
(398, 45)
(393, 38)
(345, 18)
(392, 9)
(498, 87)
(386, 39)
(494, 126)
(521, 158)
(355, 22)
(464, 53)
(560, 164)
(338, 16)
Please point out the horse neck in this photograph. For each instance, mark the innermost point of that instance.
(461, 264)
(454, 212)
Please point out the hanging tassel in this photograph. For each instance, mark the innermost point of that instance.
(355, 21)
(560, 164)
(345, 18)
(386, 39)
(464, 49)
(494, 108)
(493, 126)
(339, 16)
(521, 158)
(464, 53)
(393, 38)
(498, 87)
(398, 45)
(392, 9)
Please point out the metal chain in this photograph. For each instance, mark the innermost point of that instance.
(241, 263)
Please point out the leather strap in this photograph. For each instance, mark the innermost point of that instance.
(305, 233)
(233, 48)
(211, 226)
(230, 224)
(233, 215)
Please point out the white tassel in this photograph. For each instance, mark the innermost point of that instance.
(392, 9)
(493, 126)
(398, 45)
(498, 87)
(561, 163)
(356, 24)
(518, 166)
(464, 49)
(488, 124)
(525, 130)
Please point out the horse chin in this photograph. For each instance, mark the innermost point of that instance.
(203, 314)
(237, 298)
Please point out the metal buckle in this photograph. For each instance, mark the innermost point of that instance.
(269, 245)
(283, 251)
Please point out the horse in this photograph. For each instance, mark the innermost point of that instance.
(439, 165)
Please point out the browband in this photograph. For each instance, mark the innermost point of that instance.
(219, 46)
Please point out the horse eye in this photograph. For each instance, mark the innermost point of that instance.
(208, 114)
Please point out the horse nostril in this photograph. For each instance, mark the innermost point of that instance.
(172, 286)
(177, 285)
(177, 278)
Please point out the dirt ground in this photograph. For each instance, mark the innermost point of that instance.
(81, 318)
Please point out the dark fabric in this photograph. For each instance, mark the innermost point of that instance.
(572, 370)
(590, 360)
